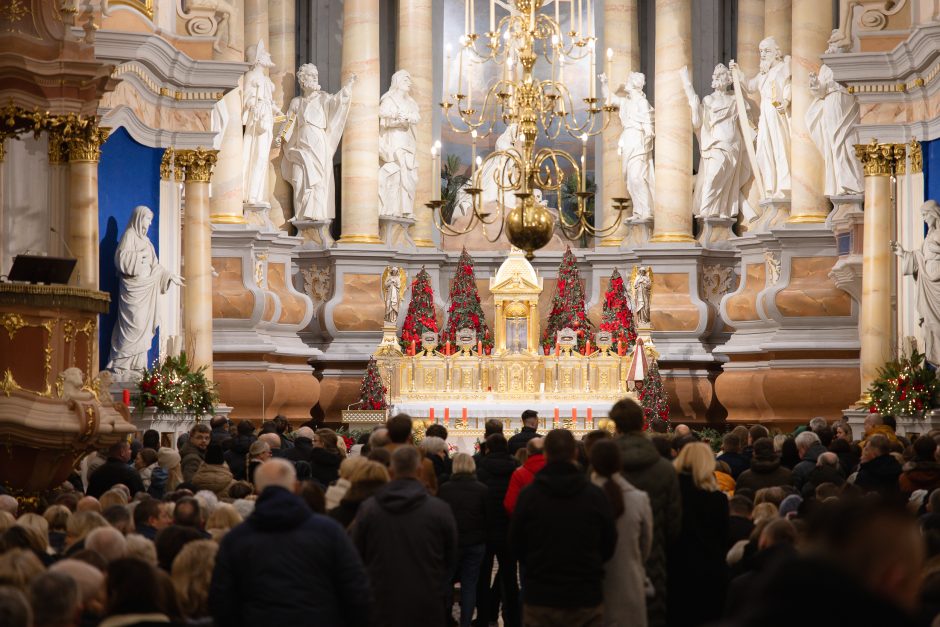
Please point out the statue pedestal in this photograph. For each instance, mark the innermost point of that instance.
(717, 232)
(394, 232)
(640, 230)
(847, 220)
(389, 345)
(258, 214)
(315, 233)
(774, 213)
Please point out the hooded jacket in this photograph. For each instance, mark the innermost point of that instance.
(408, 541)
(191, 457)
(564, 568)
(286, 565)
(919, 476)
(764, 473)
(879, 475)
(236, 456)
(216, 478)
(807, 464)
(521, 478)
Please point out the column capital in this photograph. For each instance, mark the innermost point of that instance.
(58, 148)
(881, 159)
(195, 165)
(84, 141)
(916, 155)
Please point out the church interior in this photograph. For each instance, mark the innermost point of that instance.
(459, 209)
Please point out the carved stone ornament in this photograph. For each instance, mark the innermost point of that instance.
(466, 338)
(318, 284)
(881, 159)
(716, 282)
(567, 338)
(873, 17)
(206, 18)
(196, 165)
(772, 259)
(429, 340)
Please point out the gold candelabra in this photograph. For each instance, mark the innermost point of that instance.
(530, 108)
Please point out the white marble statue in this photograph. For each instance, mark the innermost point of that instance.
(831, 121)
(315, 122)
(258, 111)
(641, 292)
(772, 85)
(636, 140)
(398, 164)
(924, 266)
(497, 172)
(392, 292)
(723, 170)
(143, 280)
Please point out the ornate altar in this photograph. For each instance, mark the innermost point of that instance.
(50, 414)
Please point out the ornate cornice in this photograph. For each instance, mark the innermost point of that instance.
(196, 165)
(881, 159)
(72, 136)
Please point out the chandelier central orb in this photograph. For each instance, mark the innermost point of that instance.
(520, 170)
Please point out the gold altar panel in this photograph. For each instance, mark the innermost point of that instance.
(566, 376)
(430, 375)
(465, 375)
(515, 377)
(605, 373)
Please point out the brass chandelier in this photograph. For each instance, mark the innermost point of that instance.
(536, 107)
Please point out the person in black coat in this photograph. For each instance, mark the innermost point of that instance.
(237, 453)
(530, 424)
(731, 455)
(827, 470)
(302, 451)
(325, 457)
(564, 569)
(408, 541)
(467, 499)
(115, 471)
(286, 565)
(696, 565)
(879, 470)
(494, 469)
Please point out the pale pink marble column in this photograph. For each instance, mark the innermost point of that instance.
(673, 194)
(777, 21)
(282, 40)
(812, 24)
(750, 32)
(256, 23)
(84, 153)
(360, 185)
(621, 35)
(415, 54)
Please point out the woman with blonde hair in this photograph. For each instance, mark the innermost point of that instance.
(38, 525)
(365, 481)
(696, 562)
(58, 518)
(222, 520)
(192, 574)
(336, 492)
(79, 526)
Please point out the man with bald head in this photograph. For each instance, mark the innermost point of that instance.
(88, 504)
(286, 565)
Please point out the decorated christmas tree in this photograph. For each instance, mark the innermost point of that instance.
(372, 392)
(420, 317)
(465, 311)
(568, 304)
(652, 396)
(618, 319)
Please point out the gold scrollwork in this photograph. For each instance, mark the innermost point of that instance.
(8, 384)
(881, 159)
(12, 323)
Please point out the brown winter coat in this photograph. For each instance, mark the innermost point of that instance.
(214, 478)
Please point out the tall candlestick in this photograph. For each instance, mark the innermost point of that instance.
(466, 16)
(460, 67)
(581, 19)
(607, 68)
(590, 18)
(473, 17)
(473, 152)
(447, 55)
(571, 22)
(584, 139)
(592, 76)
(470, 83)
(492, 16)
(557, 21)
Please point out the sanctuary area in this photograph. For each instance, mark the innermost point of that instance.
(338, 211)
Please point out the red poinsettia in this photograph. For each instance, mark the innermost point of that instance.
(420, 318)
(465, 311)
(617, 316)
(568, 305)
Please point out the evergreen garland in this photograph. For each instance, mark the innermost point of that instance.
(372, 392)
(904, 387)
(568, 305)
(421, 317)
(172, 386)
(465, 311)
(617, 317)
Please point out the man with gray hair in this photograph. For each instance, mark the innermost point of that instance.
(303, 569)
(55, 600)
(14, 608)
(878, 471)
(408, 541)
(809, 448)
(107, 542)
(90, 582)
(827, 470)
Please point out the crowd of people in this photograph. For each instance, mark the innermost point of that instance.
(645, 526)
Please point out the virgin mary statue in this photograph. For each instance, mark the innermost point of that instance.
(143, 280)
(924, 266)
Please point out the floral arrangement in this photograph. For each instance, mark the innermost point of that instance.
(172, 386)
(372, 392)
(617, 317)
(904, 387)
(421, 317)
(465, 310)
(568, 305)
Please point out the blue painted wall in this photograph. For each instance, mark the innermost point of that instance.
(931, 169)
(128, 175)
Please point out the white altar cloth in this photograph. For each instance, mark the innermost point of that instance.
(501, 409)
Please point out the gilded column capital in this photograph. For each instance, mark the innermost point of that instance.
(167, 170)
(195, 165)
(84, 142)
(58, 148)
(916, 154)
(881, 159)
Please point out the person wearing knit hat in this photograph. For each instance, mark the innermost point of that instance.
(790, 506)
(167, 474)
(213, 473)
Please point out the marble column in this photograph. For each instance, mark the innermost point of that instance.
(360, 184)
(876, 335)
(672, 211)
(84, 153)
(750, 32)
(621, 34)
(415, 54)
(225, 205)
(777, 21)
(812, 24)
(256, 23)
(282, 40)
(196, 166)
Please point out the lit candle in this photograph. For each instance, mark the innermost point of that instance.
(584, 138)
(447, 55)
(492, 16)
(126, 397)
(592, 76)
(556, 416)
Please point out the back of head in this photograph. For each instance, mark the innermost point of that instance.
(18, 568)
(530, 418)
(273, 440)
(215, 455)
(245, 428)
(605, 458)
(81, 523)
(805, 440)
(698, 461)
(406, 462)
(436, 430)
(740, 506)
(187, 513)
(370, 472)
(776, 532)
(14, 608)
(133, 588)
(496, 443)
(731, 443)
(817, 423)
(827, 460)
(151, 439)
(305, 433)
(463, 464)
(560, 446)
(141, 548)
(627, 416)
(535, 446)
(171, 540)
(433, 445)
(925, 449)
(491, 426)
(118, 517)
(757, 432)
(192, 574)
(146, 510)
(54, 598)
(399, 429)
(88, 578)
(57, 516)
(107, 542)
(276, 473)
(349, 465)
(879, 444)
(378, 438)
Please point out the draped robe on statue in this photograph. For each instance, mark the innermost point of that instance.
(831, 120)
(398, 175)
(773, 129)
(308, 156)
(258, 118)
(636, 152)
(143, 280)
(723, 167)
(924, 265)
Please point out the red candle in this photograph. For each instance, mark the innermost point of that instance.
(126, 397)
(480, 347)
(447, 348)
(557, 350)
(590, 417)
(574, 414)
(431, 414)
(412, 347)
(446, 415)
(620, 347)
(556, 416)
(463, 414)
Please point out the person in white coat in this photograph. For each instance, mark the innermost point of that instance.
(624, 573)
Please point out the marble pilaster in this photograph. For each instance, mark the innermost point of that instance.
(672, 210)
(777, 22)
(876, 327)
(415, 54)
(256, 23)
(360, 184)
(84, 153)
(196, 166)
(621, 34)
(282, 45)
(812, 24)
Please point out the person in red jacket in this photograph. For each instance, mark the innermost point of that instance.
(526, 474)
